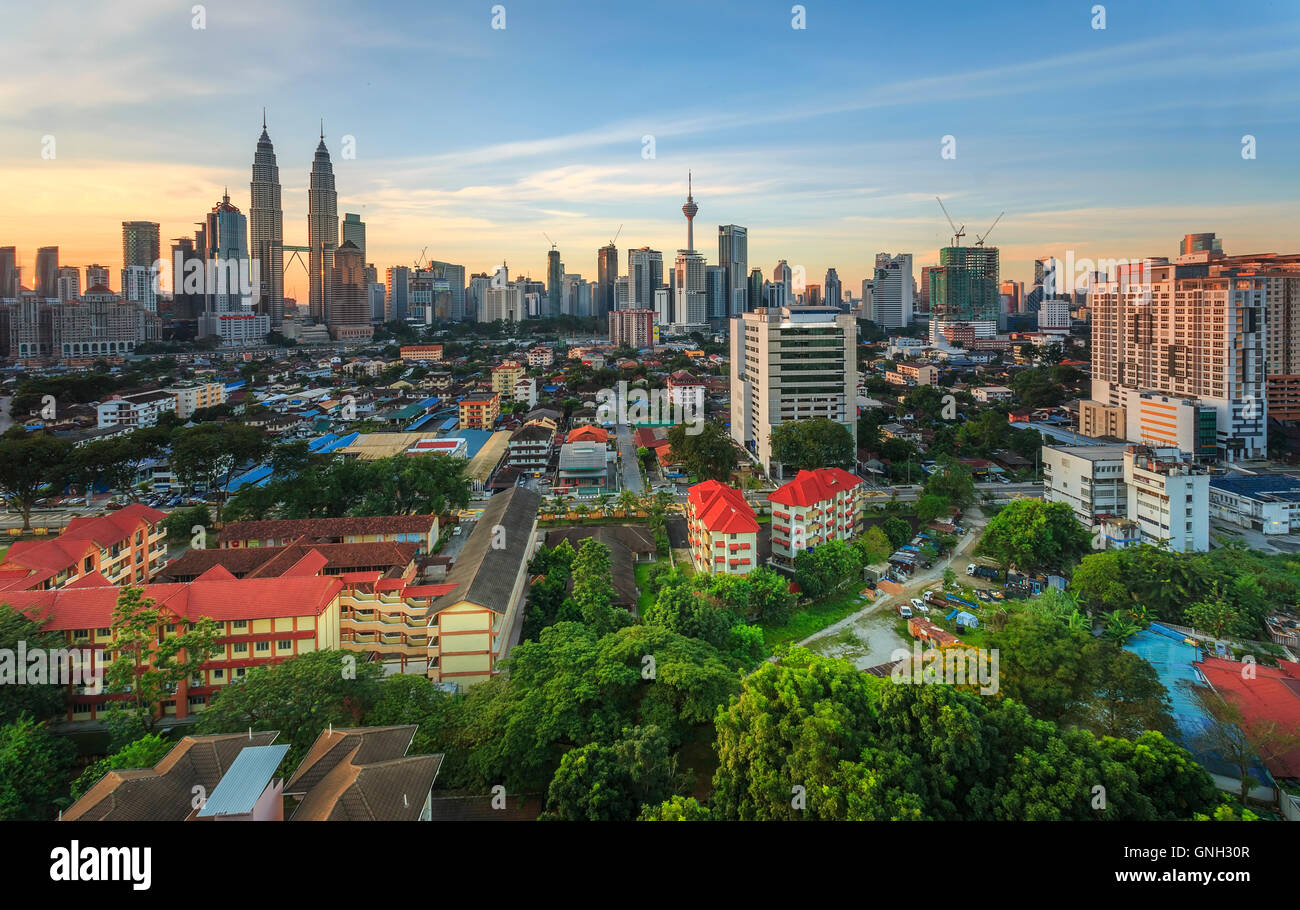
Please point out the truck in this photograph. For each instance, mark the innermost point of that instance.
(979, 571)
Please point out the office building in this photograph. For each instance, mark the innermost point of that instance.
(554, 282)
(606, 275)
(733, 256)
(645, 273)
(47, 273)
(790, 364)
(266, 229)
(348, 301)
(322, 230)
(834, 290)
(690, 304)
(1090, 479)
(1168, 497)
(140, 244)
(140, 286)
(9, 273)
(891, 291)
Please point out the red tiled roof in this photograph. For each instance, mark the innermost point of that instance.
(809, 487)
(721, 509)
(588, 433)
(1272, 696)
(219, 599)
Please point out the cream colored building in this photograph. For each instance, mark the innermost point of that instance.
(193, 396)
(791, 363)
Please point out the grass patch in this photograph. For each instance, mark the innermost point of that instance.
(646, 598)
(816, 616)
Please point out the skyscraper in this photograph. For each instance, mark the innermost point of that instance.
(554, 282)
(689, 208)
(354, 229)
(835, 291)
(783, 276)
(733, 255)
(754, 293)
(47, 272)
(228, 313)
(964, 289)
(606, 275)
(691, 304)
(322, 230)
(140, 244)
(266, 229)
(717, 304)
(645, 272)
(399, 293)
(891, 291)
(454, 275)
(348, 300)
(8, 272)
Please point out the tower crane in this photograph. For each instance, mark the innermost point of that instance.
(419, 262)
(990, 230)
(614, 239)
(957, 232)
(548, 237)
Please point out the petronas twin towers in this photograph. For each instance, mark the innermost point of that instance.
(266, 228)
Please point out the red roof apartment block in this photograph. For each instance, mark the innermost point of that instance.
(1272, 697)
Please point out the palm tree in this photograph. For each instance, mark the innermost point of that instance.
(558, 503)
(581, 509)
(603, 501)
(627, 501)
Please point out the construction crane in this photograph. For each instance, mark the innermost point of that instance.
(419, 262)
(548, 237)
(990, 230)
(957, 232)
(616, 233)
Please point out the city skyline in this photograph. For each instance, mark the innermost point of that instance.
(1050, 132)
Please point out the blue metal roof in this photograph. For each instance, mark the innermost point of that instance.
(242, 785)
(255, 476)
(1283, 486)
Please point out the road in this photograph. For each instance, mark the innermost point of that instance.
(870, 634)
(627, 453)
(1032, 489)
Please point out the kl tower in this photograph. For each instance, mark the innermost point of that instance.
(689, 210)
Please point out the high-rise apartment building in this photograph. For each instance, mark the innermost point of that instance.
(266, 229)
(791, 363)
(139, 286)
(353, 229)
(69, 282)
(1185, 331)
(635, 328)
(96, 276)
(322, 230)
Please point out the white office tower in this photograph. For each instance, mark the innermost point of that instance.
(791, 363)
(663, 306)
(645, 272)
(733, 255)
(1054, 315)
(1173, 329)
(691, 303)
(505, 303)
(140, 285)
(891, 291)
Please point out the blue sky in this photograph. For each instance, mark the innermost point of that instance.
(825, 141)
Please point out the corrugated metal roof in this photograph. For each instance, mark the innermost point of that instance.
(243, 784)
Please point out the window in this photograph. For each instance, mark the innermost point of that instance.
(240, 647)
(239, 624)
(263, 646)
(284, 645)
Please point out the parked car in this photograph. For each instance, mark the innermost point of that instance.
(918, 603)
(905, 611)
